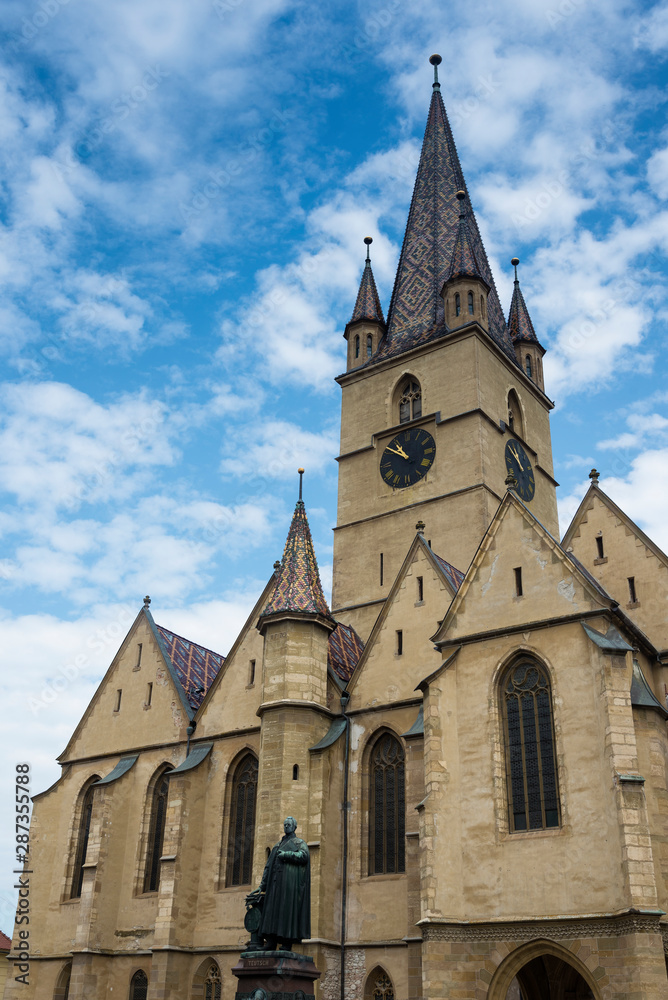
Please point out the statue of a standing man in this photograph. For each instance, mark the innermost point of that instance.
(285, 891)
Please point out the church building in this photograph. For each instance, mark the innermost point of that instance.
(472, 737)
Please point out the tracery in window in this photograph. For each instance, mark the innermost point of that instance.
(82, 839)
(531, 767)
(139, 986)
(213, 984)
(241, 834)
(156, 832)
(379, 986)
(387, 806)
(410, 400)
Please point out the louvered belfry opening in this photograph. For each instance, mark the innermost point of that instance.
(242, 822)
(139, 986)
(156, 834)
(531, 769)
(213, 984)
(387, 806)
(82, 842)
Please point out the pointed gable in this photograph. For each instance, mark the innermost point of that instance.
(416, 309)
(367, 305)
(298, 586)
(553, 583)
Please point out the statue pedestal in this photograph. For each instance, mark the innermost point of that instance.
(275, 975)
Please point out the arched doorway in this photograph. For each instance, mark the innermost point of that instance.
(543, 970)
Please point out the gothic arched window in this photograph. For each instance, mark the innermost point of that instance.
(82, 839)
(379, 986)
(410, 400)
(213, 984)
(357, 346)
(458, 304)
(470, 303)
(515, 422)
(241, 837)
(139, 986)
(527, 366)
(156, 832)
(62, 990)
(531, 767)
(387, 806)
(369, 345)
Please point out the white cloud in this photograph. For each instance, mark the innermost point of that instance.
(279, 448)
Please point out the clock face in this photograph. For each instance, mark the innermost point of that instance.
(407, 458)
(519, 466)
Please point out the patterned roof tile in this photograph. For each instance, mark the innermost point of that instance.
(298, 586)
(195, 666)
(416, 313)
(344, 650)
(454, 576)
(368, 304)
(519, 321)
(463, 263)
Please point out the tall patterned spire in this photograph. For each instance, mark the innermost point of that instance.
(416, 311)
(368, 304)
(298, 586)
(519, 321)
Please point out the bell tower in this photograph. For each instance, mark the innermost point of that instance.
(425, 429)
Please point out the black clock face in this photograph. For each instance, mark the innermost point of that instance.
(407, 458)
(519, 466)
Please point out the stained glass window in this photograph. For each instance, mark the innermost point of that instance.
(533, 792)
(242, 822)
(387, 806)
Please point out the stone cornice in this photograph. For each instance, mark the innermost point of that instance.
(559, 929)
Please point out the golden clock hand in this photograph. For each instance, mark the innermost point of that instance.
(400, 452)
(518, 459)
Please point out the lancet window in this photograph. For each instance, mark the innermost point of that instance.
(156, 833)
(387, 806)
(379, 986)
(139, 986)
(241, 836)
(82, 839)
(410, 400)
(213, 984)
(531, 766)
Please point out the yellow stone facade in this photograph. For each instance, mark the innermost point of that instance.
(477, 907)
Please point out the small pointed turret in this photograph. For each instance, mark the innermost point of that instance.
(465, 290)
(298, 588)
(528, 349)
(367, 324)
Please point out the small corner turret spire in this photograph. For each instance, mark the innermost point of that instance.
(366, 328)
(436, 61)
(528, 349)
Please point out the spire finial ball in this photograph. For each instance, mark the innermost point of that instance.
(461, 195)
(435, 60)
(300, 471)
(368, 240)
(515, 261)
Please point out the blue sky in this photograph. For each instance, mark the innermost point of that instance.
(185, 190)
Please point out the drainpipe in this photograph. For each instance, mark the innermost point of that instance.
(190, 730)
(345, 698)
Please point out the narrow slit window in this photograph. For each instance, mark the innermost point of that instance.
(420, 588)
(138, 663)
(599, 546)
(149, 694)
(633, 596)
(518, 581)
(400, 642)
(369, 345)
(482, 306)
(295, 772)
(528, 366)
(82, 841)
(251, 673)
(458, 304)
(381, 569)
(470, 303)
(156, 833)
(357, 347)
(117, 703)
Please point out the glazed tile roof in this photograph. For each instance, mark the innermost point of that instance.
(416, 313)
(195, 666)
(368, 304)
(298, 586)
(5, 942)
(463, 263)
(519, 321)
(344, 650)
(454, 576)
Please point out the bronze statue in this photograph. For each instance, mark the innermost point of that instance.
(284, 894)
